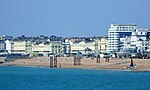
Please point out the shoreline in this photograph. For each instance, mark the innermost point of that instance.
(106, 69)
(86, 63)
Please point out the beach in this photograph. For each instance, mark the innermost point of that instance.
(68, 62)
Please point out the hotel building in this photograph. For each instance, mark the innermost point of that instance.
(138, 41)
(22, 47)
(117, 31)
(86, 45)
(46, 49)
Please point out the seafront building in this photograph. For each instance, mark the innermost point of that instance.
(82, 47)
(9, 46)
(117, 31)
(22, 47)
(87, 45)
(49, 48)
(138, 41)
(102, 44)
(128, 38)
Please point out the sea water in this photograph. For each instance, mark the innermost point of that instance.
(38, 78)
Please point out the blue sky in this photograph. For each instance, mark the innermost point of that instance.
(68, 18)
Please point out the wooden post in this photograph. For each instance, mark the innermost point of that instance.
(74, 60)
(55, 61)
(79, 61)
(51, 62)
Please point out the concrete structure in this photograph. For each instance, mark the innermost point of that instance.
(117, 31)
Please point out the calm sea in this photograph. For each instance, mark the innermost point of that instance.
(35, 78)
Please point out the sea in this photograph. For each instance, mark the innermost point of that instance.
(41, 78)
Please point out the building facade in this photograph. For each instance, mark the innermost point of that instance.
(91, 45)
(50, 48)
(117, 31)
(102, 45)
(138, 41)
(9, 46)
(22, 47)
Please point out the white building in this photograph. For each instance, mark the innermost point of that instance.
(47, 48)
(22, 47)
(138, 41)
(9, 46)
(115, 33)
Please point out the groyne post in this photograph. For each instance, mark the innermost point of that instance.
(55, 61)
(51, 62)
(77, 61)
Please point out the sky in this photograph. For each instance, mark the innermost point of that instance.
(70, 18)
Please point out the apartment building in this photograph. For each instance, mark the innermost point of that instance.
(88, 45)
(46, 49)
(117, 31)
(22, 47)
(138, 41)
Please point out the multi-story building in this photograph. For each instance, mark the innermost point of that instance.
(9, 46)
(117, 31)
(47, 48)
(41, 48)
(22, 47)
(83, 47)
(138, 41)
(102, 45)
(87, 45)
